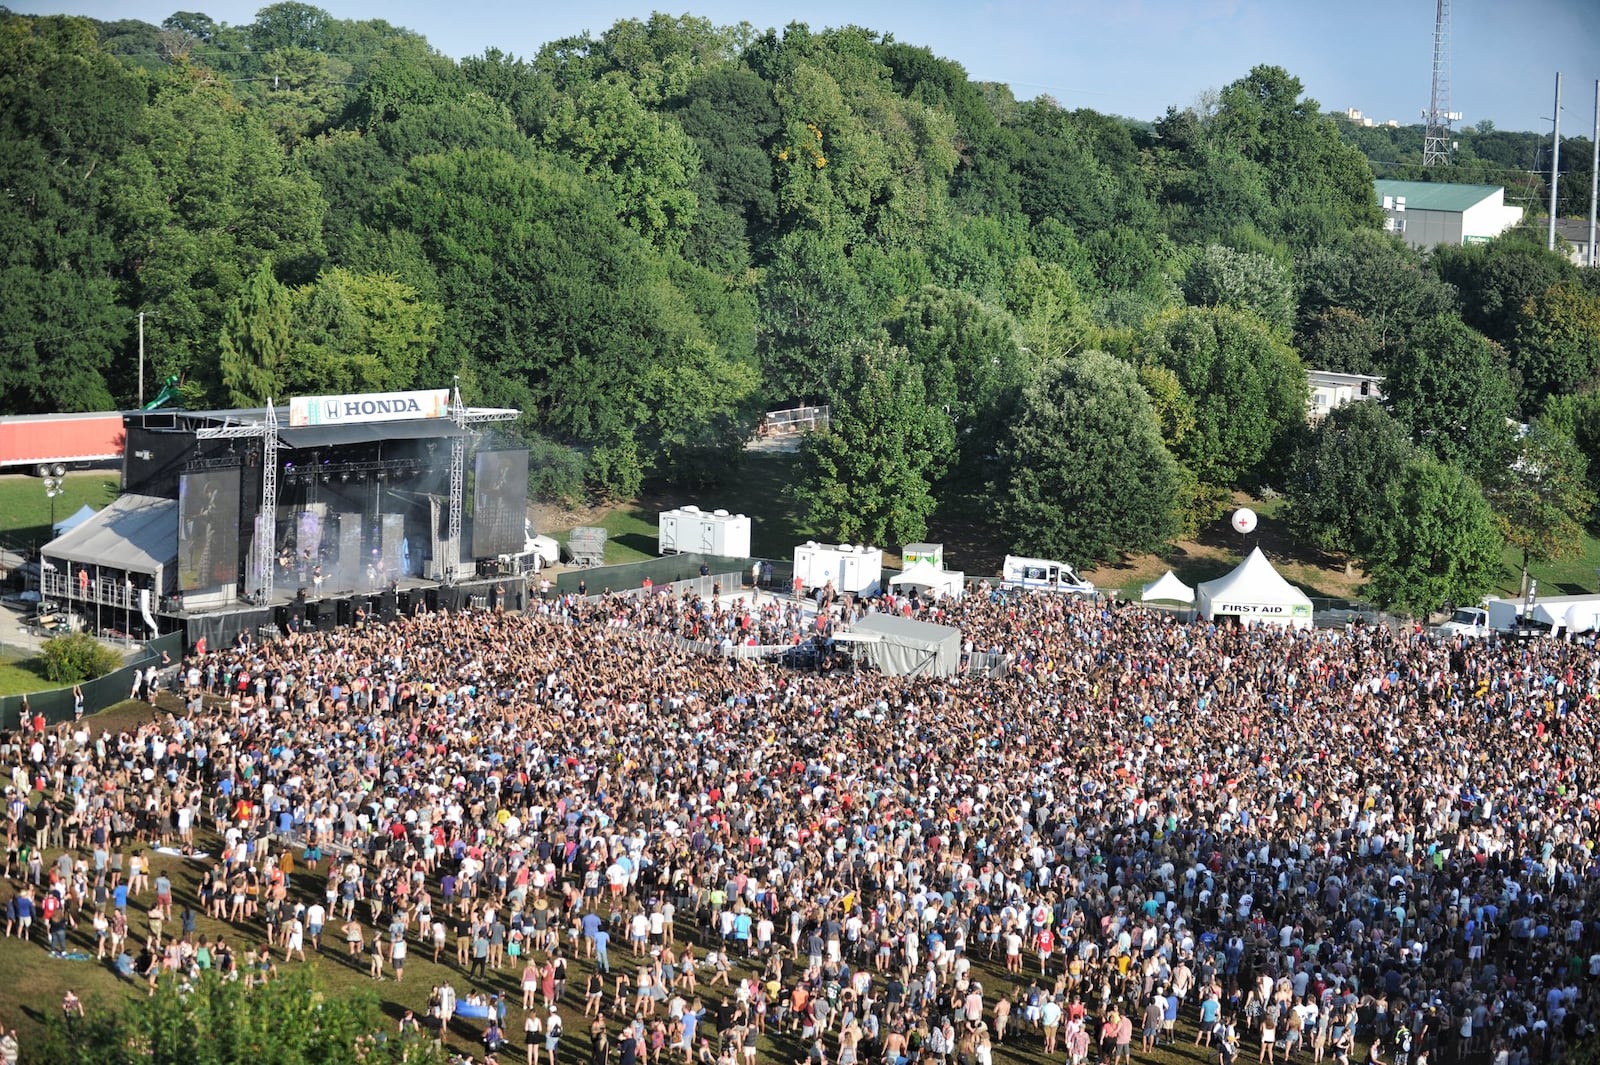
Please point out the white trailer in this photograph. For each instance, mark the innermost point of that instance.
(851, 567)
(690, 529)
(1043, 574)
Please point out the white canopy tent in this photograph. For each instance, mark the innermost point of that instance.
(1169, 589)
(926, 576)
(1255, 592)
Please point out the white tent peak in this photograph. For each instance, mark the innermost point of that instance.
(1168, 589)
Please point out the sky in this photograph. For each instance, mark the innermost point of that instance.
(1127, 57)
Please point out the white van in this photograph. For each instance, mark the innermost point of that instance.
(1043, 574)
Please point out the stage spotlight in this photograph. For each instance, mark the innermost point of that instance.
(344, 478)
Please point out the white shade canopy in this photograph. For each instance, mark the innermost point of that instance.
(1169, 589)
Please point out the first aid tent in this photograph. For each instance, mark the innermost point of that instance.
(1254, 592)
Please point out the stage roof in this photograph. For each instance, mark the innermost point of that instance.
(304, 436)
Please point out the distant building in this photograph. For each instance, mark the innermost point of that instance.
(1574, 231)
(1428, 214)
(1331, 390)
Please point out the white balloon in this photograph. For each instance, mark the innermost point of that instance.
(1244, 521)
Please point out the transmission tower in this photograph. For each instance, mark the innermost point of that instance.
(1437, 143)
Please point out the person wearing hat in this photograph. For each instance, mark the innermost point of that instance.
(552, 1035)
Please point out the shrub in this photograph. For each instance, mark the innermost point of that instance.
(77, 657)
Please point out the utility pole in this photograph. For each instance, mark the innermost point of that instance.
(1555, 165)
(141, 358)
(1594, 174)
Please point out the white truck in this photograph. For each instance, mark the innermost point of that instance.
(537, 551)
(852, 568)
(1551, 615)
(1043, 574)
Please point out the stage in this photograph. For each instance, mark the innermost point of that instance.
(320, 514)
(289, 613)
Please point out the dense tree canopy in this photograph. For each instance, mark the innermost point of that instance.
(868, 477)
(645, 234)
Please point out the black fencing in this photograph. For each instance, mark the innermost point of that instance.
(56, 703)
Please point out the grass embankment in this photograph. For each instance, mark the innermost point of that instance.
(21, 675)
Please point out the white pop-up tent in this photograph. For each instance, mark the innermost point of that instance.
(1255, 592)
(928, 577)
(1169, 589)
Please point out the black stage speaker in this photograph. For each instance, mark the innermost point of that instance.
(403, 603)
(345, 612)
(430, 598)
(388, 604)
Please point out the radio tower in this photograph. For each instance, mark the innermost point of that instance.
(1436, 144)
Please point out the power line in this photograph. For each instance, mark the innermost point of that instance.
(13, 345)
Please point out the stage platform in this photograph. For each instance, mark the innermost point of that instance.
(289, 612)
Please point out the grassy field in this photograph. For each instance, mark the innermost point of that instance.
(18, 675)
(25, 509)
(1569, 576)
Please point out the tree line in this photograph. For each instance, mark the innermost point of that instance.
(644, 238)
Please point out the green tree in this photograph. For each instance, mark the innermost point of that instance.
(1339, 478)
(970, 361)
(201, 197)
(1451, 389)
(562, 310)
(644, 159)
(1556, 346)
(1340, 340)
(289, 1020)
(1542, 499)
(1497, 279)
(257, 337)
(868, 477)
(358, 333)
(1087, 476)
(809, 303)
(1578, 416)
(1439, 543)
(1247, 281)
(1375, 277)
(67, 112)
(1246, 387)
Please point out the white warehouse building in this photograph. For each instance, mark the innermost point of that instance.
(1429, 213)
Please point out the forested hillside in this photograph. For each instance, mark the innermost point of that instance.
(645, 237)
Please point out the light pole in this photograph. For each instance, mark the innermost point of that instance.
(53, 486)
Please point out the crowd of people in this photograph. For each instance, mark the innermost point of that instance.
(1328, 843)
